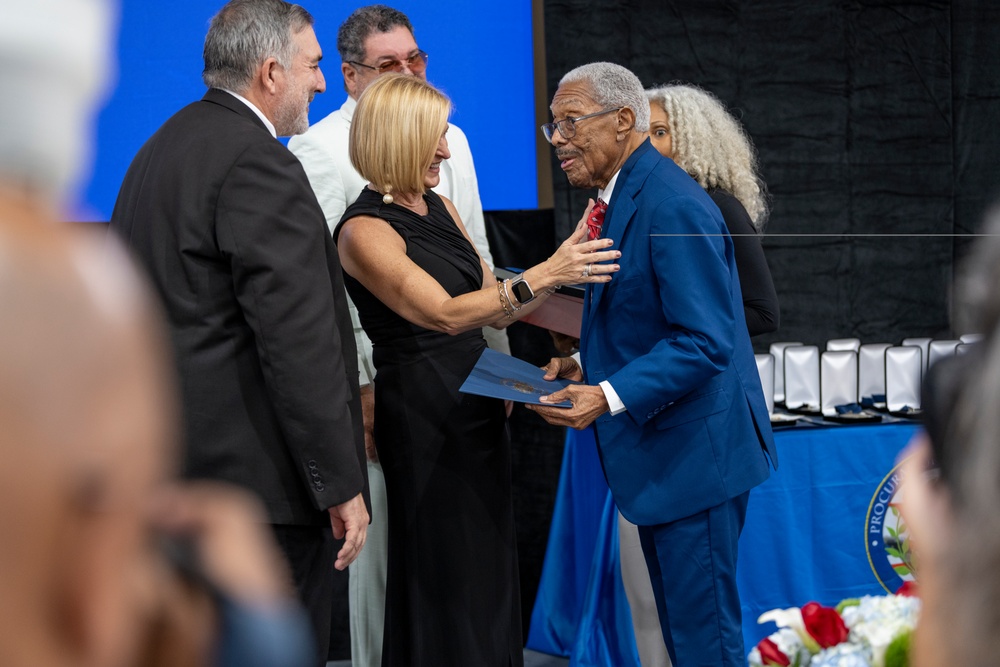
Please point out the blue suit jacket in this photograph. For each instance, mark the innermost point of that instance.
(669, 334)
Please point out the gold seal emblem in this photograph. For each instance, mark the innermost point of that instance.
(523, 387)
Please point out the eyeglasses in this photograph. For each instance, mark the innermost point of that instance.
(416, 63)
(567, 126)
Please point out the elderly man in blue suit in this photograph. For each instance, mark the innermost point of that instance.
(670, 380)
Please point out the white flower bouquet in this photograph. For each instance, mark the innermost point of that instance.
(873, 631)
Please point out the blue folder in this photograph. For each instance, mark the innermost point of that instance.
(501, 376)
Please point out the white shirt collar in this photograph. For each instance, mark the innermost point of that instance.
(260, 114)
(609, 189)
(348, 107)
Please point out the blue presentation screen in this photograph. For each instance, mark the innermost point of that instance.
(480, 56)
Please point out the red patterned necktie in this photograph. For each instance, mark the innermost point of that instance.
(596, 219)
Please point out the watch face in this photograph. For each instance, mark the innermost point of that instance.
(523, 292)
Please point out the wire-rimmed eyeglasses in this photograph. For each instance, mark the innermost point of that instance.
(567, 126)
(416, 63)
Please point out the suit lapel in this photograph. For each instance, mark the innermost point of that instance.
(621, 210)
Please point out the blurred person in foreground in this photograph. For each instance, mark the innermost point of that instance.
(372, 41)
(424, 294)
(671, 384)
(54, 74)
(951, 481)
(85, 404)
(105, 561)
(692, 127)
(222, 218)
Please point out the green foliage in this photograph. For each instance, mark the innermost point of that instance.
(849, 602)
(897, 654)
(903, 552)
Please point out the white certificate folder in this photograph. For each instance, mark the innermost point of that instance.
(498, 375)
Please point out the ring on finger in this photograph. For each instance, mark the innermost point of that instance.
(586, 271)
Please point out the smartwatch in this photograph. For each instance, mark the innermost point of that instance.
(522, 290)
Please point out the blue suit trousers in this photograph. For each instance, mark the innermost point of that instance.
(692, 567)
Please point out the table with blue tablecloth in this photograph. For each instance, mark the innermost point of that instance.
(813, 532)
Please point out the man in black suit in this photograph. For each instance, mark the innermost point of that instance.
(224, 220)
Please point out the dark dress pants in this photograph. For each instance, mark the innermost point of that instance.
(692, 566)
(311, 552)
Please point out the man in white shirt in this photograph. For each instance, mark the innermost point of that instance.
(372, 41)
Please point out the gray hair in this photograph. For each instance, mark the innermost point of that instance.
(710, 145)
(361, 24)
(613, 86)
(244, 34)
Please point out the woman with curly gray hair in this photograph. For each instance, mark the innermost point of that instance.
(692, 127)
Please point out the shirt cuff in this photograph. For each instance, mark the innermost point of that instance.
(615, 404)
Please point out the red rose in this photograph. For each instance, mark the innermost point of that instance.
(908, 589)
(824, 624)
(770, 654)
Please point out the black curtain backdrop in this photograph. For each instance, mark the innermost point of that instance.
(876, 127)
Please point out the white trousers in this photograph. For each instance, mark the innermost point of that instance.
(639, 590)
(366, 585)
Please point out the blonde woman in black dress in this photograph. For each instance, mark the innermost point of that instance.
(423, 294)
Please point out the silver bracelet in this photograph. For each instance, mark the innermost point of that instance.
(507, 294)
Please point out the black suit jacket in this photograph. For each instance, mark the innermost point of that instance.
(222, 216)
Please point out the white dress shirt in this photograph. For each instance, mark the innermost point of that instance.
(260, 114)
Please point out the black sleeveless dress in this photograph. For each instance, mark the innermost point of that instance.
(452, 592)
